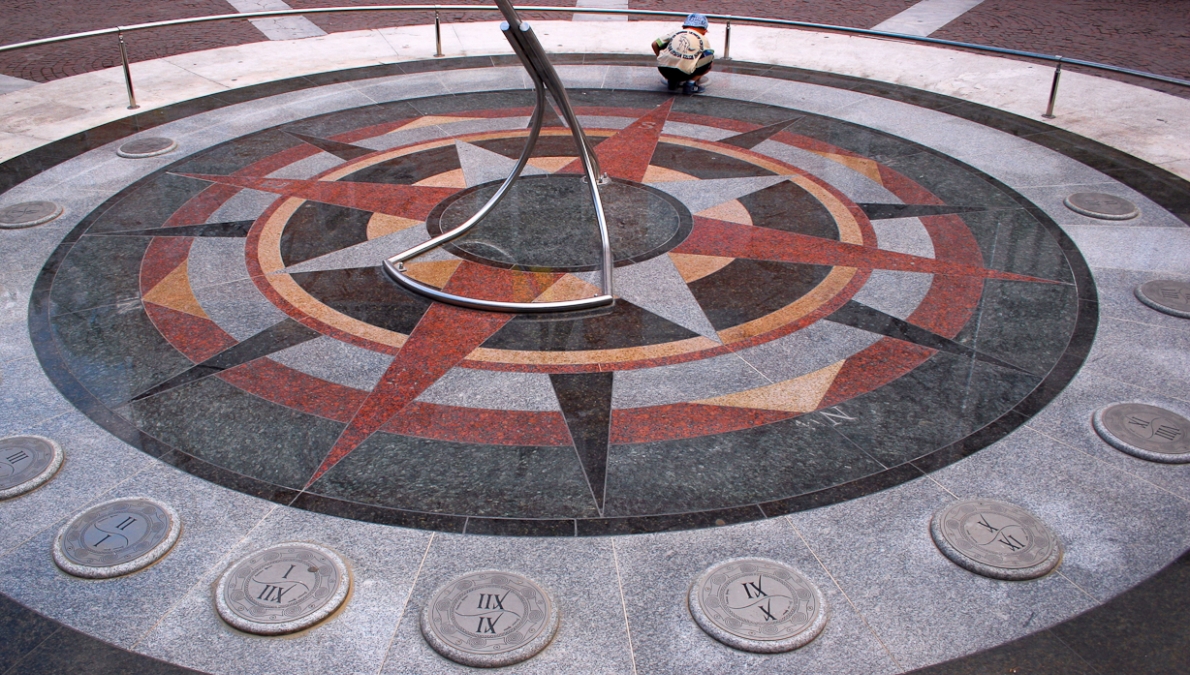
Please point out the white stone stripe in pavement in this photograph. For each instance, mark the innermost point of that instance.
(601, 4)
(281, 27)
(926, 16)
(9, 83)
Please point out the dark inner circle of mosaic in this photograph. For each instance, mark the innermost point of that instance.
(547, 223)
(792, 359)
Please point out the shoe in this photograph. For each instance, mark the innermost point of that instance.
(673, 86)
(691, 88)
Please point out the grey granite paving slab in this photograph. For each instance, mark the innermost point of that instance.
(239, 308)
(584, 77)
(245, 205)
(579, 573)
(951, 135)
(482, 79)
(696, 131)
(798, 95)
(1050, 200)
(814, 347)
(469, 388)
(1117, 529)
(309, 167)
(703, 194)
(1152, 357)
(336, 361)
(27, 396)
(857, 187)
(683, 382)
(633, 78)
(94, 463)
(1133, 247)
(657, 571)
(214, 261)
(369, 253)
(656, 285)
(400, 87)
(383, 562)
(1019, 163)
(895, 293)
(482, 166)
(1068, 420)
(15, 286)
(925, 608)
(122, 609)
(1117, 297)
(904, 235)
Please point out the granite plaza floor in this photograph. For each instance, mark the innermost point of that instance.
(843, 304)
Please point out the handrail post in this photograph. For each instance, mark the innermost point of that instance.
(437, 34)
(727, 43)
(127, 72)
(1049, 110)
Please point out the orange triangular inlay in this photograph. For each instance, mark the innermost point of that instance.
(694, 267)
(801, 394)
(431, 120)
(175, 293)
(858, 164)
(433, 273)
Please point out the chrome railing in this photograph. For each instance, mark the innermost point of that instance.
(1058, 61)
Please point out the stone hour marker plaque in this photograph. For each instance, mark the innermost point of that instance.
(27, 463)
(995, 539)
(146, 147)
(1102, 206)
(757, 605)
(1166, 295)
(490, 619)
(283, 588)
(116, 537)
(1145, 431)
(28, 214)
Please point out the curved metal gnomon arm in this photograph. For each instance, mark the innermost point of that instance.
(545, 79)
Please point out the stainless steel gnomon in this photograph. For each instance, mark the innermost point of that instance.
(545, 79)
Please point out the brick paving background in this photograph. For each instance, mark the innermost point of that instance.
(1151, 35)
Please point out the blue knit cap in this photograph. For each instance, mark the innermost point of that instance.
(696, 21)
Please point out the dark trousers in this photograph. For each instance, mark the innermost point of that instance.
(676, 76)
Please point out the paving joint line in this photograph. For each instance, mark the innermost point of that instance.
(624, 606)
(405, 606)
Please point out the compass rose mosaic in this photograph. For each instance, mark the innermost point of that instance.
(807, 310)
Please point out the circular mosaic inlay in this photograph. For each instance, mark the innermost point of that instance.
(1102, 206)
(27, 463)
(146, 147)
(117, 537)
(758, 605)
(1166, 295)
(1145, 431)
(490, 619)
(283, 588)
(995, 539)
(28, 214)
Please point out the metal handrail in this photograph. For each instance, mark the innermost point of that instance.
(593, 10)
(729, 18)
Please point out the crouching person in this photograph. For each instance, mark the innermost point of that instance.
(684, 57)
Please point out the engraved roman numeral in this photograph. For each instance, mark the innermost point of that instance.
(750, 587)
(984, 521)
(286, 575)
(17, 456)
(1167, 432)
(105, 538)
(272, 594)
(491, 601)
(487, 625)
(1136, 421)
(836, 416)
(767, 610)
(1011, 542)
(125, 523)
